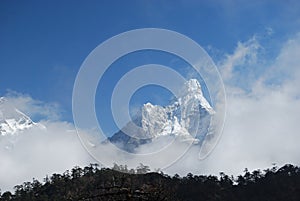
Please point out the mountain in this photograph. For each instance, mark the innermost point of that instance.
(12, 120)
(188, 118)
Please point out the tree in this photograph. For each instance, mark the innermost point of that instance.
(142, 169)
(176, 177)
(6, 196)
(116, 167)
(76, 172)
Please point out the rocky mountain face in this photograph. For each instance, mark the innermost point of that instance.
(187, 119)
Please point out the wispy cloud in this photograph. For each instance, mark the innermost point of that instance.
(245, 54)
(36, 109)
(262, 124)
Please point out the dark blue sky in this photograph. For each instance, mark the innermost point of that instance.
(43, 43)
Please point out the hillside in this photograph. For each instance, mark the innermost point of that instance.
(92, 183)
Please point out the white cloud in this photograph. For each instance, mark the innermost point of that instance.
(244, 54)
(262, 124)
(36, 152)
(34, 108)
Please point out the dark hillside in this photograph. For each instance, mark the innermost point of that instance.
(91, 184)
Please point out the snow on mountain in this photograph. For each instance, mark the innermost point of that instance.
(13, 121)
(188, 118)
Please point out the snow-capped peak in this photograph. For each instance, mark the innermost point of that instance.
(192, 85)
(188, 118)
(192, 91)
(13, 120)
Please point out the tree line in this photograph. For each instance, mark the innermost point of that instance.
(93, 183)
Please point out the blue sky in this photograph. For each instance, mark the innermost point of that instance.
(43, 43)
(255, 44)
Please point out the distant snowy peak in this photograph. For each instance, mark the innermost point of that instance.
(13, 120)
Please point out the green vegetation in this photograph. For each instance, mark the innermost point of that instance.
(92, 183)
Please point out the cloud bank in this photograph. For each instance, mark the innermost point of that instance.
(262, 123)
(36, 152)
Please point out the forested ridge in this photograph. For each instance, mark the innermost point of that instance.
(93, 183)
